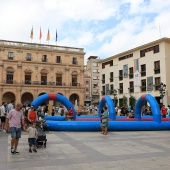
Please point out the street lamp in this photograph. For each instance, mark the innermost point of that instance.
(114, 94)
(162, 88)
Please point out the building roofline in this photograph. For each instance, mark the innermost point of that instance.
(164, 39)
(92, 57)
(20, 44)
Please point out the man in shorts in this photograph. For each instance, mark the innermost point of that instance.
(14, 118)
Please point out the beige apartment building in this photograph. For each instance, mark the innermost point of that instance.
(93, 69)
(87, 84)
(29, 70)
(118, 72)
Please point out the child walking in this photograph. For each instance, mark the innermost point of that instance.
(33, 134)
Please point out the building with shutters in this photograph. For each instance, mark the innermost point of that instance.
(137, 71)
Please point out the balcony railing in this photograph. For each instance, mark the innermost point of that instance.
(157, 70)
(40, 83)
(131, 75)
(131, 89)
(120, 91)
(102, 92)
(111, 79)
(58, 61)
(75, 84)
(143, 88)
(143, 73)
(157, 86)
(103, 81)
(74, 62)
(120, 77)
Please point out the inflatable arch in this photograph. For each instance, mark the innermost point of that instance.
(110, 105)
(154, 107)
(54, 96)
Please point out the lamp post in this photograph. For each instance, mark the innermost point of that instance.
(162, 88)
(114, 94)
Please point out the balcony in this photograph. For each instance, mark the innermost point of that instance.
(157, 86)
(103, 93)
(75, 84)
(143, 73)
(157, 70)
(27, 82)
(111, 79)
(131, 90)
(75, 62)
(120, 91)
(40, 83)
(131, 75)
(58, 61)
(111, 92)
(9, 82)
(143, 88)
(103, 81)
(120, 77)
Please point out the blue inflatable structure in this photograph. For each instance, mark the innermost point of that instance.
(54, 96)
(57, 122)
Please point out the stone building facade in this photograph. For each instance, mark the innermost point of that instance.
(29, 70)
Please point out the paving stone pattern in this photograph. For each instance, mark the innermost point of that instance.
(133, 150)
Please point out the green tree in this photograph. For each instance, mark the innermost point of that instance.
(132, 100)
(115, 100)
(124, 101)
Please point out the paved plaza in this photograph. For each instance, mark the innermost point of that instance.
(132, 150)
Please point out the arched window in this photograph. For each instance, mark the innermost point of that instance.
(28, 73)
(44, 73)
(74, 78)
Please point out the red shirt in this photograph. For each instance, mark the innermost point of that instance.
(32, 115)
(163, 111)
(70, 112)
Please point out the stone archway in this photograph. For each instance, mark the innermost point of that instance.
(74, 98)
(26, 98)
(8, 96)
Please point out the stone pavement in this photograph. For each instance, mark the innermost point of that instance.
(143, 150)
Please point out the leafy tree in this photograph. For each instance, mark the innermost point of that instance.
(132, 100)
(124, 101)
(115, 100)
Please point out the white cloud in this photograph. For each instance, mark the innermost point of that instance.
(102, 28)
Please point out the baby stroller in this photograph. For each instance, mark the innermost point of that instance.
(41, 140)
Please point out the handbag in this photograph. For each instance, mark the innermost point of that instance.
(104, 120)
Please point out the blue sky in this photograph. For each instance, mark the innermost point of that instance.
(102, 27)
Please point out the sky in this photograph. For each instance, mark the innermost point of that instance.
(102, 27)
